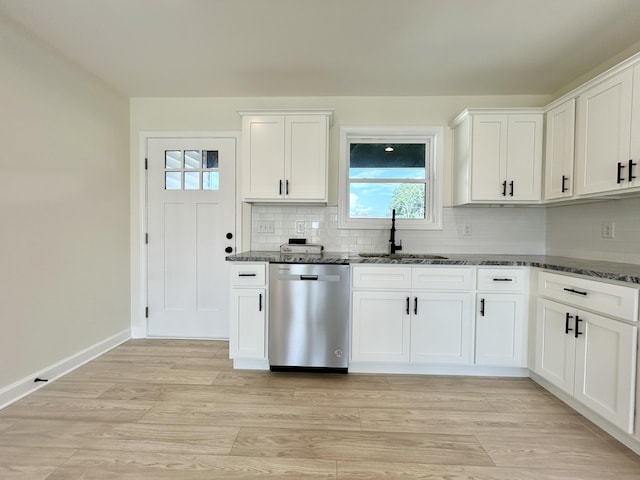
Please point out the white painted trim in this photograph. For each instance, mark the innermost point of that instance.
(139, 323)
(422, 369)
(250, 364)
(25, 386)
(612, 430)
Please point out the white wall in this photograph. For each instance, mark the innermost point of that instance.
(493, 230)
(576, 231)
(64, 208)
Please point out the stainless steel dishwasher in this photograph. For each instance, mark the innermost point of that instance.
(308, 317)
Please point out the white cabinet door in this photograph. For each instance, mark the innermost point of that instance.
(306, 157)
(248, 323)
(489, 156)
(555, 344)
(558, 162)
(441, 330)
(524, 157)
(499, 330)
(263, 150)
(380, 324)
(603, 135)
(605, 368)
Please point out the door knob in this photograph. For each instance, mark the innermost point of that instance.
(229, 235)
(228, 249)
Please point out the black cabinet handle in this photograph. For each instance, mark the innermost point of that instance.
(228, 249)
(564, 181)
(408, 300)
(577, 326)
(482, 307)
(619, 178)
(575, 291)
(280, 188)
(415, 305)
(247, 274)
(504, 188)
(566, 323)
(631, 165)
(511, 188)
(229, 235)
(503, 279)
(286, 187)
(260, 302)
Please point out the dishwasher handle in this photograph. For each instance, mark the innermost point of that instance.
(308, 277)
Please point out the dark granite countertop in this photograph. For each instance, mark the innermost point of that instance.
(607, 270)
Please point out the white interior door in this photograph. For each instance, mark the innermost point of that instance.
(191, 221)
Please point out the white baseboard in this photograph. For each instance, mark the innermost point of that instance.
(27, 385)
(421, 369)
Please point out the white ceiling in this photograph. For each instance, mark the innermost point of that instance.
(333, 47)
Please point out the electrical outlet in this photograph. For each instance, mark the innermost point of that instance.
(300, 227)
(608, 229)
(264, 227)
(466, 229)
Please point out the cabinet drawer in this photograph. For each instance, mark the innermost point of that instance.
(501, 279)
(248, 274)
(438, 278)
(609, 299)
(381, 277)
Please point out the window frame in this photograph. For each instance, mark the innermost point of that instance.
(433, 137)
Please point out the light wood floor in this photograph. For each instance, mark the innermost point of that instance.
(172, 409)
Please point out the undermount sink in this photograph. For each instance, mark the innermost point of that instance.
(418, 256)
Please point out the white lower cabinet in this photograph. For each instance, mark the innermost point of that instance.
(380, 327)
(588, 355)
(441, 328)
(248, 314)
(500, 330)
(411, 325)
(501, 317)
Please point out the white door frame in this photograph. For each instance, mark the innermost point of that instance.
(139, 321)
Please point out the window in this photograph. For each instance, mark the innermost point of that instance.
(390, 168)
(191, 170)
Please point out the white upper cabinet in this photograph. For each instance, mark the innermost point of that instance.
(285, 156)
(559, 151)
(498, 156)
(607, 141)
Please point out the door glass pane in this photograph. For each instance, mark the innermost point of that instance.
(191, 180)
(191, 159)
(377, 200)
(172, 181)
(210, 180)
(210, 158)
(173, 159)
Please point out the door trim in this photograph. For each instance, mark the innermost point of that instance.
(139, 293)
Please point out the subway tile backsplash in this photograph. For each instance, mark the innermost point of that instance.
(493, 230)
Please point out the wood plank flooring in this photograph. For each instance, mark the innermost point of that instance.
(175, 409)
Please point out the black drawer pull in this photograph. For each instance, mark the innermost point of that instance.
(504, 188)
(511, 188)
(247, 274)
(577, 331)
(482, 307)
(503, 279)
(408, 300)
(566, 323)
(564, 186)
(620, 178)
(631, 175)
(415, 305)
(260, 302)
(575, 291)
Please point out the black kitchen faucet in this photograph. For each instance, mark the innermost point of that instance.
(392, 239)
